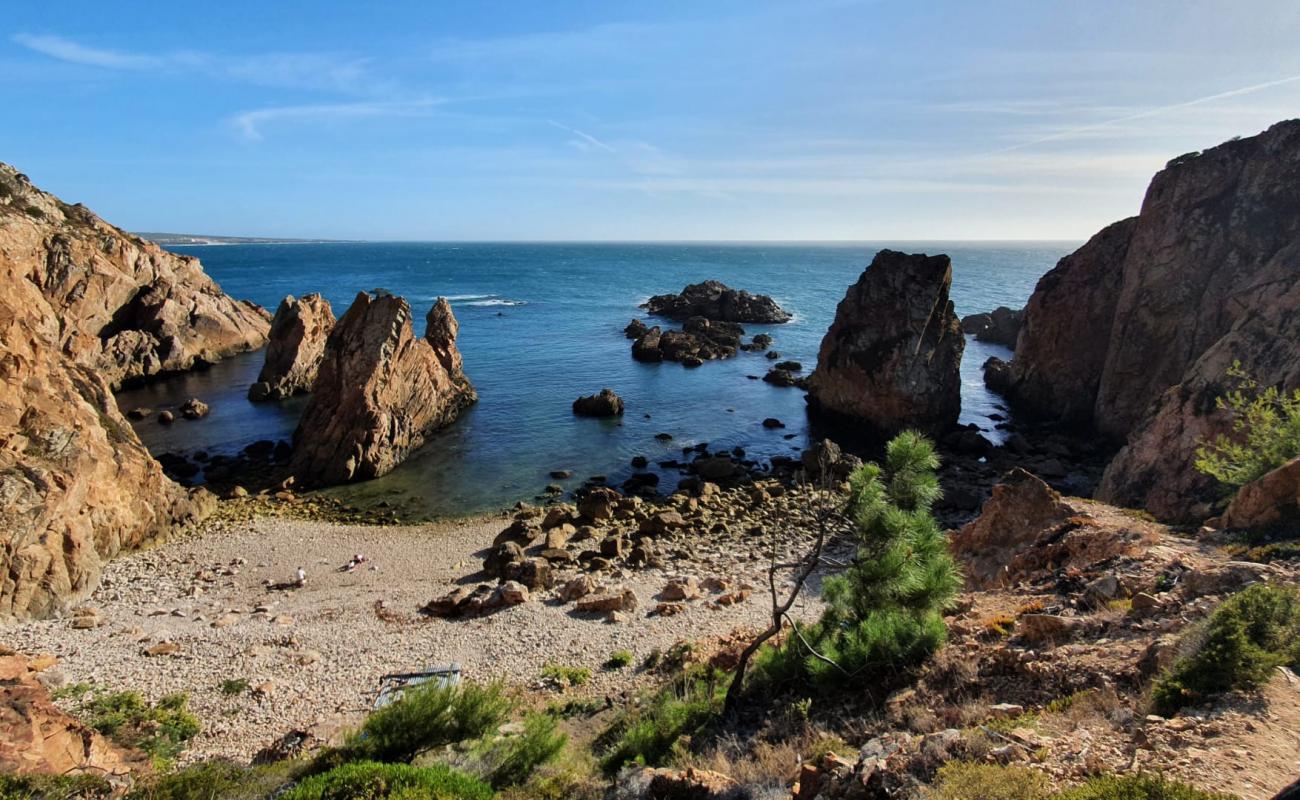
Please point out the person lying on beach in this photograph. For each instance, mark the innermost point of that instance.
(357, 560)
(302, 577)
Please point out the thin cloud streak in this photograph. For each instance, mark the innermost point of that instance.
(583, 137)
(1083, 129)
(250, 123)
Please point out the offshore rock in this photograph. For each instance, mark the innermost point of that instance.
(295, 348)
(891, 358)
(716, 301)
(605, 404)
(1133, 334)
(380, 391)
(999, 326)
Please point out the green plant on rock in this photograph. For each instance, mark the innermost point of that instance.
(648, 733)
(1265, 428)
(962, 780)
(619, 659)
(1137, 787)
(514, 759)
(1246, 637)
(566, 675)
(884, 613)
(53, 787)
(161, 729)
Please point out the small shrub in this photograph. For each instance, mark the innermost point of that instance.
(1034, 606)
(582, 706)
(366, 780)
(999, 624)
(1028, 719)
(565, 675)
(234, 686)
(1265, 427)
(160, 730)
(649, 733)
(619, 659)
(73, 691)
(209, 780)
(1248, 635)
(53, 787)
(426, 717)
(1137, 787)
(514, 759)
(960, 780)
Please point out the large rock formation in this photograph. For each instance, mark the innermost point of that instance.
(999, 326)
(716, 301)
(121, 304)
(1132, 334)
(892, 357)
(84, 305)
(379, 392)
(295, 348)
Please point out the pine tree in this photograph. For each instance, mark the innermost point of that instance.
(884, 614)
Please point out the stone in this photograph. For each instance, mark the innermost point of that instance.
(194, 408)
(635, 329)
(716, 301)
(682, 589)
(772, 423)
(379, 391)
(646, 348)
(616, 599)
(163, 649)
(1020, 509)
(577, 588)
(166, 417)
(513, 593)
(598, 503)
(295, 347)
(604, 404)
(891, 359)
(999, 326)
(1268, 501)
(1133, 334)
(669, 609)
(1045, 628)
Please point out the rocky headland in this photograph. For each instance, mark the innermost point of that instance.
(1132, 336)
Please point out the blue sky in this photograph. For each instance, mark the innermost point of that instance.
(820, 119)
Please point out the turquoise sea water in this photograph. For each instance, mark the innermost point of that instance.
(542, 324)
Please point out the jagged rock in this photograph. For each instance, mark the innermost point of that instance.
(598, 503)
(1046, 627)
(999, 326)
(1267, 501)
(194, 408)
(380, 392)
(577, 588)
(616, 599)
(605, 404)
(716, 301)
(295, 347)
(635, 329)
(512, 593)
(39, 738)
(1134, 332)
(825, 460)
(891, 359)
(682, 589)
(646, 348)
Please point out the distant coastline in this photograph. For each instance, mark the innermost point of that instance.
(190, 239)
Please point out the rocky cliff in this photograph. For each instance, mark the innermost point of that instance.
(295, 347)
(892, 357)
(1132, 334)
(379, 392)
(84, 306)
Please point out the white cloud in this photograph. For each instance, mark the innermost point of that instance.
(250, 123)
(70, 51)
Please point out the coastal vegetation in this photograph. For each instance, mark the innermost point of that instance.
(1266, 432)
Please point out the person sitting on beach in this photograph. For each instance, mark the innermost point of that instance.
(302, 577)
(357, 560)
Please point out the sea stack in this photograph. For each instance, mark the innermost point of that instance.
(891, 359)
(379, 392)
(84, 307)
(1132, 335)
(295, 347)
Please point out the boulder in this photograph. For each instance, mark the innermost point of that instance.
(716, 301)
(598, 503)
(616, 599)
(999, 326)
(605, 404)
(635, 329)
(1268, 501)
(194, 408)
(295, 347)
(380, 392)
(646, 348)
(891, 359)
(39, 738)
(1132, 334)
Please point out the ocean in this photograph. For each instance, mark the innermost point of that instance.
(541, 324)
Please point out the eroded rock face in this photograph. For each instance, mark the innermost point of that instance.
(1132, 334)
(39, 738)
(295, 347)
(716, 301)
(120, 304)
(76, 485)
(379, 391)
(891, 359)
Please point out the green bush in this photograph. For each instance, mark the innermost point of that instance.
(960, 780)
(234, 686)
(426, 717)
(1248, 635)
(619, 659)
(53, 787)
(1266, 432)
(513, 759)
(565, 675)
(884, 614)
(365, 780)
(160, 730)
(1137, 787)
(213, 780)
(648, 733)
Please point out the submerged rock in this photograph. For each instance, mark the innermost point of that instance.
(892, 357)
(379, 392)
(714, 300)
(295, 347)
